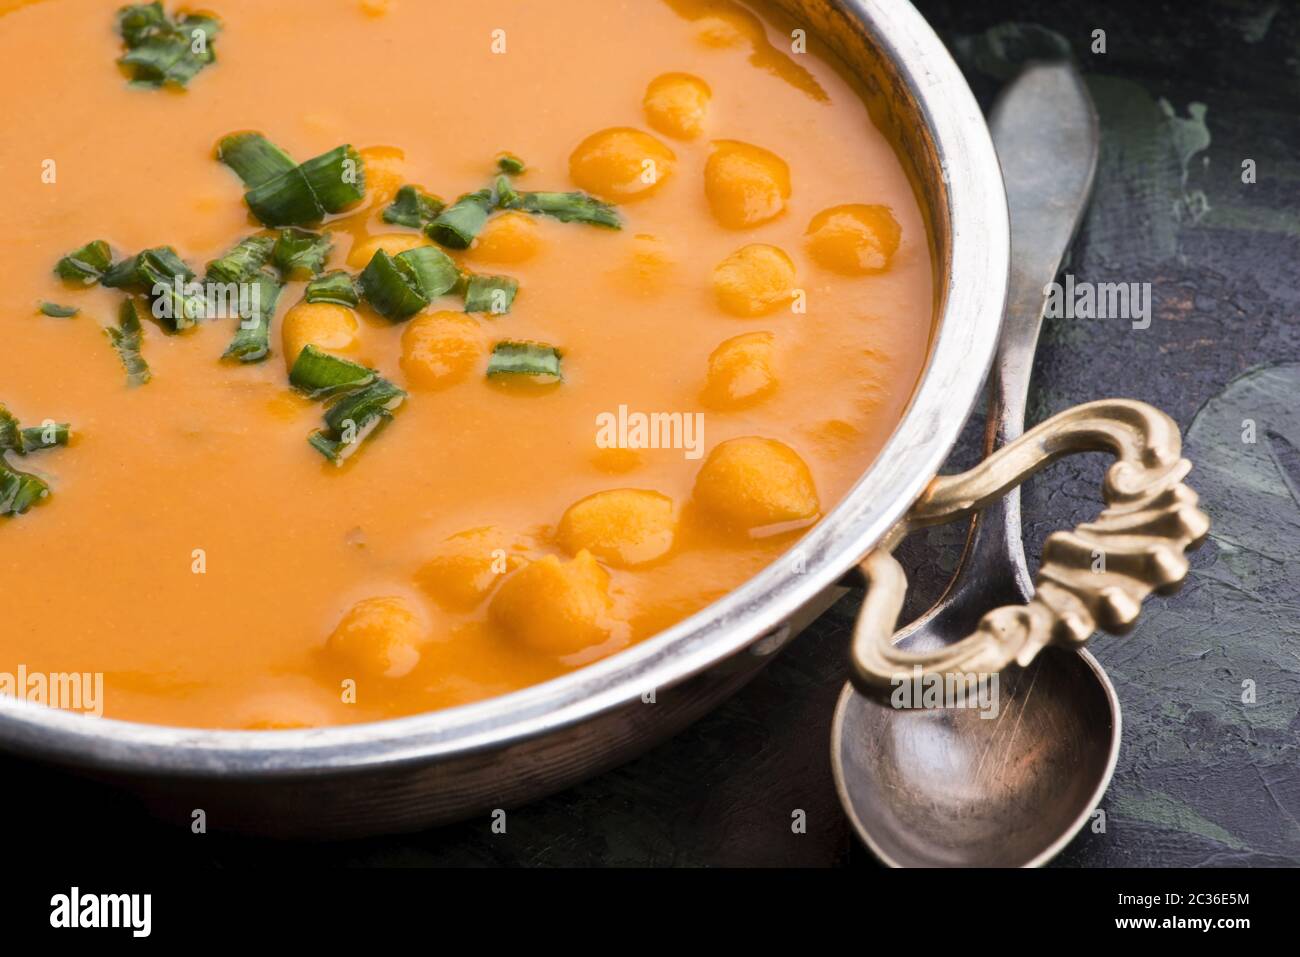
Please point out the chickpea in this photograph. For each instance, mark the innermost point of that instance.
(751, 482)
(379, 637)
(649, 267)
(746, 185)
(441, 348)
(855, 240)
(325, 325)
(623, 527)
(754, 280)
(621, 164)
(676, 104)
(554, 606)
(742, 371)
(464, 569)
(512, 237)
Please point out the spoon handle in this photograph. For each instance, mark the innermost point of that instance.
(1047, 138)
(1045, 130)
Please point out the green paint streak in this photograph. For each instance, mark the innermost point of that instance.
(1155, 807)
(1255, 19)
(1256, 219)
(1147, 151)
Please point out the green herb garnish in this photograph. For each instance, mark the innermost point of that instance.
(252, 341)
(571, 208)
(167, 281)
(161, 50)
(86, 265)
(400, 286)
(19, 490)
(254, 158)
(57, 311)
(300, 254)
(354, 417)
(492, 294)
(507, 197)
(320, 375)
(509, 163)
(336, 287)
(244, 261)
(413, 207)
(127, 338)
(362, 401)
(15, 438)
(458, 224)
(525, 358)
(281, 194)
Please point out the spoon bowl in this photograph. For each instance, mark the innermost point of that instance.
(950, 787)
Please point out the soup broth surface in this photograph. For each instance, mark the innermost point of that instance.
(197, 552)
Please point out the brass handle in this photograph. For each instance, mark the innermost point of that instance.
(1141, 537)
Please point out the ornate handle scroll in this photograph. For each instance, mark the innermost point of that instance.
(1151, 519)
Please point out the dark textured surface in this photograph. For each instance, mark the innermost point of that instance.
(1186, 92)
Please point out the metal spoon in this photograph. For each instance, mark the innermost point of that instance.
(949, 787)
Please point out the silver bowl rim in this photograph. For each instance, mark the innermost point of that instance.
(961, 353)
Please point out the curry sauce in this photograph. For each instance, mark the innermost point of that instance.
(764, 311)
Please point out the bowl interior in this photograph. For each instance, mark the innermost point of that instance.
(918, 97)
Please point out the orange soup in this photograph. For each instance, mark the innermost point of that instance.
(591, 309)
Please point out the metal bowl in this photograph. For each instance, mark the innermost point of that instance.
(414, 772)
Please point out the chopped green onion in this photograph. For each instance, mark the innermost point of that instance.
(254, 158)
(55, 310)
(19, 491)
(137, 21)
(509, 163)
(458, 224)
(432, 271)
(320, 375)
(571, 208)
(354, 418)
(139, 272)
(11, 432)
(338, 178)
(388, 290)
(507, 196)
(160, 50)
(281, 194)
(413, 207)
(38, 437)
(300, 254)
(243, 261)
(361, 401)
(252, 341)
(336, 287)
(163, 276)
(400, 286)
(492, 294)
(287, 200)
(15, 438)
(127, 339)
(86, 265)
(525, 358)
